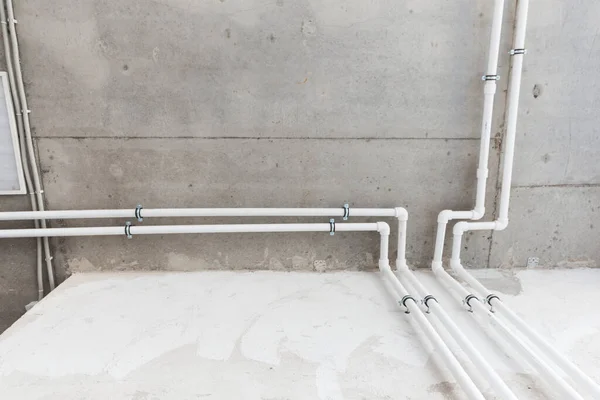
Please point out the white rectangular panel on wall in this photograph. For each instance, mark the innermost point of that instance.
(11, 169)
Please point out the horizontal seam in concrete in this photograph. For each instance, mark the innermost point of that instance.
(247, 138)
(560, 185)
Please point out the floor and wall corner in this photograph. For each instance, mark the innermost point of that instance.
(231, 103)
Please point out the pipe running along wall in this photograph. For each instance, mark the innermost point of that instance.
(22, 146)
(400, 288)
(489, 91)
(26, 139)
(543, 347)
(383, 228)
(140, 213)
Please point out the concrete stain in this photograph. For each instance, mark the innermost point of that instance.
(446, 389)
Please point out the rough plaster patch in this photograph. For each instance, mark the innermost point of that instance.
(182, 262)
(81, 265)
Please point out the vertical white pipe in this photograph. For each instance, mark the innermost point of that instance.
(402, 216)
(511, 123)
(489, 91)
(438, 251)
(513, 108)
(29, 141)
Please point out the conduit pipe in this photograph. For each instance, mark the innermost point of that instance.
(489, 91)
(578, 376)
(461, 376)
(140, 213)
(381, 227)
(24, 159)
(436, 309)
(547, 373)
(28, 140)
(446, 321)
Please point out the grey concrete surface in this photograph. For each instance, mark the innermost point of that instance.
(18, 284)
(257, 173)
(276, 68)
(559, 134)
(303, 103)
(292, 336)
(559, 225)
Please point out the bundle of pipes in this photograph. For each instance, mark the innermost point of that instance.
(28, 158)
(407, 289)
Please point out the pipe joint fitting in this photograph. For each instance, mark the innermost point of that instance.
(401, 265)
(444, 216)
(436, 266)
(455, 264)
(383, 228)
(478, 213)
(384, 265)
(401, 213)
(501, 224)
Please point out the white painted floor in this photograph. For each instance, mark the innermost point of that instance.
(272, 335)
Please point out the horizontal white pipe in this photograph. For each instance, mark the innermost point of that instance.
(474, 355)
(461, 376)
(175, 229)
(200, 212)
(548, 374)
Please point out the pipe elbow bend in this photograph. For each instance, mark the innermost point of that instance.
(384, 265)
(401, 213)
(501, 224)
(478, 213)
(460, 228)
(444, 216)
(436, 266)
(401, 265)
(383, 228)
(455, 264)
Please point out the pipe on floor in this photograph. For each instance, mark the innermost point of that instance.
(463, 341)
(381, 227)
(547, 373)
(37, 184)
(406, 300)
(518, 52)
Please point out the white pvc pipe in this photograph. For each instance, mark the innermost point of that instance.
(198, 212)
(398, 212)
(547, 373)
(461, 376)
(176, 229)
(474, 355)
(489, 90)
(28, 139)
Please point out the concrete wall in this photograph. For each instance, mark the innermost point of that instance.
(306, 104)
